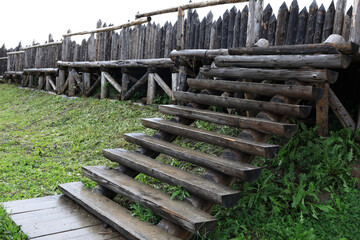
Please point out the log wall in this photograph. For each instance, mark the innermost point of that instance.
(289, 25)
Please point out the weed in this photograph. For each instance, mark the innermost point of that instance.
(144, 214)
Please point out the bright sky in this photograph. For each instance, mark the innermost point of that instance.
(25, 21)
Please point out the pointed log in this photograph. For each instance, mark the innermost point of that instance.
(293, 23)
(218, 33)
(272, 30)
(301, 29)
(225, 29)
(347, 24)
(311, 23)
(329, 22)
(320, 18)
(230, 36)
(265, 20)
(339, 16)
(243, 26)
(280, 34)
(237, 24)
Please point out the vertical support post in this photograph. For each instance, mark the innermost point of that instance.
(174, 81)
(104, 89)
(124, 83)
(31, 81)
(41, 82)
(47, 85)
(180, 30)
(86, 82)
(23, 80)
(250, 37)
(355, 25)
(151, 89)
(322, 110)
(60, 80)
(71, 91)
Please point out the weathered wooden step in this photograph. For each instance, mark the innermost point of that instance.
(178, 212)
(113, 214)
(333, 61)
(293, 91)
(194, 184)
(291, 110)
(245, 172)
(258, 124)
(251, 147)
(306, 75)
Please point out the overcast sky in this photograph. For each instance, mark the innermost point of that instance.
(25, 21)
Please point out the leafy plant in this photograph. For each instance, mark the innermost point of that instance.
(178, 192)
(144, 214)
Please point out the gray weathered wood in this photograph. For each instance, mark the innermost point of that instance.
(237, 24)
(112, 81)
(243, 26)
(245, 172)
(94, 87)
(322, 110)
(250, 35)
(104, 87)
(280, 34)
(163, 85)
(260, 125)
(318, 75)
(328, 22)
(72, 83)
(340, 111)
(86, 79)
(113, 214)
(355, 25)
(124, 85)
(301, 28)
(136, 86)
(151, 89)
(251, 147)
(194, 184)
(179, 212)
(292, 23)
(294, 91)
(311, 23)
(320, 18)
(133, 63)
(339, 16)
(347, 24)
(299, 111)
(41, 82)
(265, 19)
(333, 61)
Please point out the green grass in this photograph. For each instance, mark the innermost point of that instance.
(45, 139)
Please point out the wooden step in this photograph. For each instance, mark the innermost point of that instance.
(284, 109)
(332, 61)
(113, 214)
(178, 212)
(245, 172)
(306, 75)
(293, 91)
(192, 183)
(251, 147)
(258, 124)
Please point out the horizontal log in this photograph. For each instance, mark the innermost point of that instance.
(178, 212)
(347, 48)
(251, 147)
(306, 75)
(258, 124)
(188, 55)
(13, 53)
(293, 91)
(157, 62)
(41, 70)
(112, 28)
(112, 81)
(193, 183)
(43, 45)
(297, 111)
(3, 58)
(13, 73)
(137, 85)
(331, 61)
(93, 88)
(245, 172)
(188, 6)
(340, 111)
(113, 214)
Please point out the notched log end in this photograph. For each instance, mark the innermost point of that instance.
(252, 175)
(290, 130)
(304, 111)
(229, 201)
(317, 93)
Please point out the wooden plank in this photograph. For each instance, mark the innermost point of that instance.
(293, 91)
(297, 111)
(316, 75)
(311, 23)
(322, 110)
(178, 212)
(245, 172)
(112, 81)
(258, 124)
(320, 18)
(329, 22)
(251, 147)
(163, 85)
(192, 183)
(98, 232)
(113, 214)
(333, 61)
(340, 111)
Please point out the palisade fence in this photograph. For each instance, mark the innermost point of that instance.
(289, 26)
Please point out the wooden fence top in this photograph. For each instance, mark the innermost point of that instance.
(157, 62)
(12, 53)
(3, 58)
(44, 45)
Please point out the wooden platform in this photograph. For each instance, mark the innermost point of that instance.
(57, 217)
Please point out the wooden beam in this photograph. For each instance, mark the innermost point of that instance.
(322, 110)
(355, 26)
(112, 28)
(104, 89)
(188, 6)
(293, 91)
(291, 110)
(163, 85)
(93, 88)
(44, 45)
(112, 81)
(13, 53)
(331, 61)
(151, 89)
(64, 87)
(340, 111)
(138, 84)
(86, 79)
(133, 63)
(306, 75)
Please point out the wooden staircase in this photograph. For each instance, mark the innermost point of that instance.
(271, 104)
